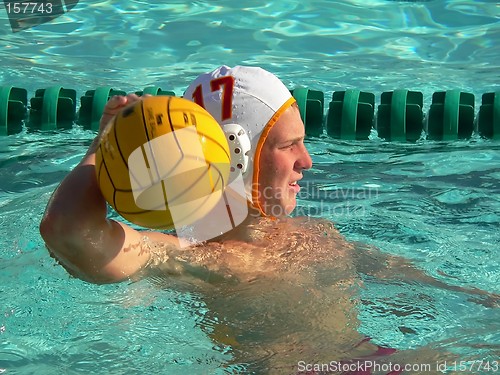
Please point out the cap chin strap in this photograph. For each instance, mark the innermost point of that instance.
(239, 148)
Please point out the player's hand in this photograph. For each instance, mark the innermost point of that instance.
(114, 105)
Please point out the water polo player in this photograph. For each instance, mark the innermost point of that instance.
(279, 290)
(97, 249)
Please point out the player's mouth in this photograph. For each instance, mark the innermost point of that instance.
(295, 186)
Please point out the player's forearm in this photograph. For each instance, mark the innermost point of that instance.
(76, 207)
(78, 199)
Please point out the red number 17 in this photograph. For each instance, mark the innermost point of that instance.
(225, 84)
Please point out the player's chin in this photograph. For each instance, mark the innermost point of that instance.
(290, 205)
(281, 208)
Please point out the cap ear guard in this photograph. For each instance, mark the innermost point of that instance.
(239, 147)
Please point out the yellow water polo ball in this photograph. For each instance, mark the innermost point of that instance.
(163, 162)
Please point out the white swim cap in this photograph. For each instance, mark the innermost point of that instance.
(247, 96)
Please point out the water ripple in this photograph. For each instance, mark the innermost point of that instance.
(424, 40)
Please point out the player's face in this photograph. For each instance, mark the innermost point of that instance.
(282, 160)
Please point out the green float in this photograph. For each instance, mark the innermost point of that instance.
(155, 91)
(489, 116)
(311, 106)
(400, 115)
(350, 114)
(13, 109)
(52, 108)
(451, 116)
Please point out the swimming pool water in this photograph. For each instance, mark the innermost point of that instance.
(435, 203)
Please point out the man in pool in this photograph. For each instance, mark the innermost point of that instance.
(75, 226)
(280, 290)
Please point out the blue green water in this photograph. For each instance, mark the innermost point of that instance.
(435, 203)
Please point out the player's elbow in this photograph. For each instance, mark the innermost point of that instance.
(65, 243)
(56, 232)
(49, 229)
